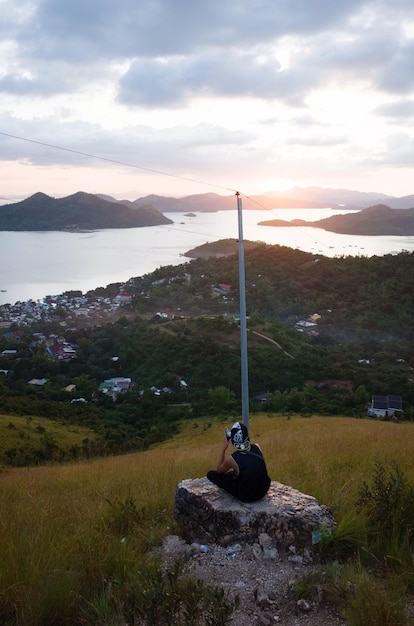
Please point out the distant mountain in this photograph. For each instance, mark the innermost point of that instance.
(375, 220)
(342, 197)
(295, 198)
(83, 211)
(405, 202)
(80, 211)
(211, 202)
(306, 197)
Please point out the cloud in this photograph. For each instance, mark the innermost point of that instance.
(398, 74)
(160, 83)
(395, 111)
(139, 146)
(128, 28)
(41, 84)
(399, 151)
(172, 52)
(314, 140)
(208, 84)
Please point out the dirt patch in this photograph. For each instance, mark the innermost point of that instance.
(264, 585)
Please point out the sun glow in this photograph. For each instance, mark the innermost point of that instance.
(278, 184)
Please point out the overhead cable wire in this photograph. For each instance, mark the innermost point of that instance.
(151, 170)
(116, 161)
(161, 173)
(295, 226)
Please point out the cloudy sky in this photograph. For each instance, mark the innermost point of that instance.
(193, 96)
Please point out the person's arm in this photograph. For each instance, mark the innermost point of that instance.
(226, 463)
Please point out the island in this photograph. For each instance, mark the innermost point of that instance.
(375, 220)
(78, 212)
(221, 248)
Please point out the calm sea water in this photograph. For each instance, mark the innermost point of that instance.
(36, 264)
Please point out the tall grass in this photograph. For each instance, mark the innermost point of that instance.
(73, 538)
(24, 438)
(327, 457)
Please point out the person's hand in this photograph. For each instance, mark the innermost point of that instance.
(225, 442)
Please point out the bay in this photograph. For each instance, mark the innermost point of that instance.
(36, 264)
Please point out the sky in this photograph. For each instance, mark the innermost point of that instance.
(175, 97)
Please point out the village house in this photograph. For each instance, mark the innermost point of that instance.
(91, 305)
(305, 325)
(123, 297)
(309, 324)
(39, 382)
(384, 406)
(262, 398)
(221, 290)
(61, 350)
(114, 386)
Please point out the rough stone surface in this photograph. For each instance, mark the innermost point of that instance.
(207, 513)
(262, 580)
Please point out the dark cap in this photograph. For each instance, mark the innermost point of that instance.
(240, 437)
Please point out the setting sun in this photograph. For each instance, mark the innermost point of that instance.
(278, 184)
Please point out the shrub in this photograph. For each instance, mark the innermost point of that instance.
(346, 540)
(165, 596)
(388, 506)
(371, 603)
(124, 516)
(359, 595)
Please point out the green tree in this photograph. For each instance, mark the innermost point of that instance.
(221, 399)
(278, 401)
(361, 397)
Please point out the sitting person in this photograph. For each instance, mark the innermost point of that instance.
(243, 474)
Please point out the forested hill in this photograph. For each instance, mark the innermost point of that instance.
(223, 247)
(80, 211)
(375, 220)
(324, 335)
(356, 296)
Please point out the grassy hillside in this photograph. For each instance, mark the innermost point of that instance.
(18, 435)
(74, 538)
(327, 457)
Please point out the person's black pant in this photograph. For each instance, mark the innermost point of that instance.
(230, 483)
(227, 481)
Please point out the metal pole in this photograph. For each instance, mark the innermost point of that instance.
(243, 325)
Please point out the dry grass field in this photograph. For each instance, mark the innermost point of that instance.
(66, 531)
